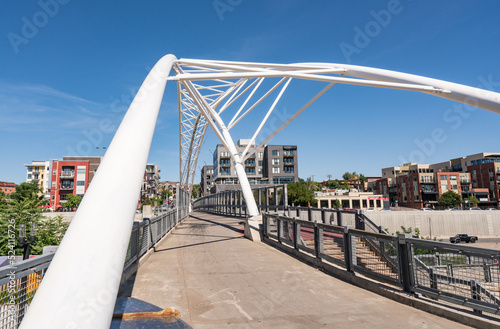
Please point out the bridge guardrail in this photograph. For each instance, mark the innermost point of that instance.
(463, 275)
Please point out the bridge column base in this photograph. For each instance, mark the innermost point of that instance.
(253, 228)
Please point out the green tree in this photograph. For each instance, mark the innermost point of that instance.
(165, 193)
(73, 201)
(362, 178)
(301, 193)
(450, 199)
(26, 190)
(3, 200)
(195, 191)
(350, 176)
(333, 184)
(473, 201)
(336, 204)
(26, 209)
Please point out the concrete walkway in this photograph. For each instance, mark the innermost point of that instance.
(218, 279)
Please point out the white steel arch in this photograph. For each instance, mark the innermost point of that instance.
(214, 87)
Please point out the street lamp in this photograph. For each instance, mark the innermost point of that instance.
(22, 239)
(102, 148)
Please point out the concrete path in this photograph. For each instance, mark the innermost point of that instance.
(218, 279)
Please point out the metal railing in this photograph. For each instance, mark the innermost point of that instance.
(463, 275)
(19, 282)
(232, 203)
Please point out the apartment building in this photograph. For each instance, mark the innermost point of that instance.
(7, 187)
(39, 171)
(151, 183)
(71, 175)
(270, 164)
(207, 179)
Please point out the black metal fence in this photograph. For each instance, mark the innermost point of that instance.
(232, 203)
(464, 275)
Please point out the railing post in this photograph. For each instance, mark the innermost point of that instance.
(360, 223)
(323, 216)
(405, 269)
(475, 293)
(339, 217)
(285, 199)
(347, 250)
(298, 212)
(309, 214)
(296, 231)
(279, 224)
(318, 241)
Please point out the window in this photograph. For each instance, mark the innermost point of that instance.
(454, 187)
(276, 170)
(260, 155)
(444, 187)
(80, 183)
(54, 172)
(29, 176)
(275, 161)
(53, 197)
(260, 163)
(442, 177)
(81, 171)
(260, 171)
(453, 177)
(30, 168)
(250, 170)
(53, 184)
(276, 153)
(288, 153)
(288, 170)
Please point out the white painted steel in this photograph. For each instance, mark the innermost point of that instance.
(81, 284)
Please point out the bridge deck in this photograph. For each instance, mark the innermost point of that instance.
(218, 279)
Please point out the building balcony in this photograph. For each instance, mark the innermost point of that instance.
(66, 187)
(67, 174)
(430, 192)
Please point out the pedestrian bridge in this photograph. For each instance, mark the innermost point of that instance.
(84, 276)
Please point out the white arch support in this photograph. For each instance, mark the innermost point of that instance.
(209, 83)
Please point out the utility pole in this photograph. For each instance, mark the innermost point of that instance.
(313, 177)
(329, 176)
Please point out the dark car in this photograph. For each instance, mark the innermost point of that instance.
(463, 237)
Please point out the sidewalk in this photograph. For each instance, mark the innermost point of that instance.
(218, 279)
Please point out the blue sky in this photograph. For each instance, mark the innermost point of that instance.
(76, 70)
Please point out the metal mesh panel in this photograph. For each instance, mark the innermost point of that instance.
(472, 274)
(316, 215)
(18, 288)
(306, 235)
(348, 218)
(331, 217)
(272, 227)
(333, 245)
(375, 255)
(287, 231)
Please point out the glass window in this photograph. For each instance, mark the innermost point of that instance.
(288, 170)
(29, 176)
(53, 184)
(442, 177)
(80, 183)
(444, 187)
(81, 171)
(453, 177)
(260, 163)
(260, 155)
(276, 153)
(276, 170)
(275, 161)
(54, 172)
(30, 168)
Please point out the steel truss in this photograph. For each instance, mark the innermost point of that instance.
(208, 88)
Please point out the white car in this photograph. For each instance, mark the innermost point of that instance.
(427, 209)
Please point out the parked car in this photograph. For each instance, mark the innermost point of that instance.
(491, 209)
(370, 209)
(463, 237)
(453, 209)
(427, 209)
(473, 208)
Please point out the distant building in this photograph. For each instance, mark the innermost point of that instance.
(351, 199)
(71, 175)
(39, 171)
(207, 180)
(270, 164)
(151, 183)
(7, 187)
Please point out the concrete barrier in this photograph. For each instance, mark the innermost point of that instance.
(440, 224)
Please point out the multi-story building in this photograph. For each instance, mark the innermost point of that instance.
(7, 188)
(271, 164)
(484, 169)
(170, 186)
(351, 199)
(151, 183)
(39, 171)
(207, 180)
(71, 175)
